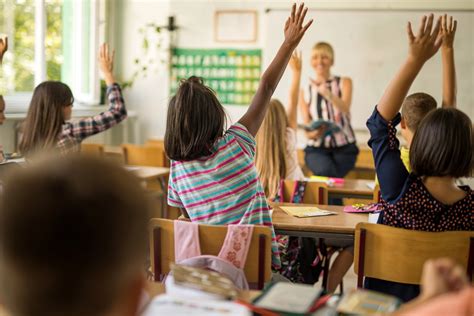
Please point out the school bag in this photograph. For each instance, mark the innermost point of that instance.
(231, 259)
(301, 257)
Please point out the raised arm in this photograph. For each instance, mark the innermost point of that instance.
(3, 47)
(448, 30)
(421, 48)
(294, 31)
(115, 114)
(291, 111)
(304, 108)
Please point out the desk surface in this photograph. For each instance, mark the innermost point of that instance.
(146, 173)
(342, 223)
(352, 186)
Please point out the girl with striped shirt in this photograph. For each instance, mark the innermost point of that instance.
(213, 177)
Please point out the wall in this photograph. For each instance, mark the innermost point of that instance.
(196, 20)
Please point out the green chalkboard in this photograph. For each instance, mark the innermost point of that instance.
(233, 74)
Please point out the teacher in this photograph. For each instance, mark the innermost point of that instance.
(328, 154)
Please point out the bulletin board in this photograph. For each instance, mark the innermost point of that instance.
(233, 74)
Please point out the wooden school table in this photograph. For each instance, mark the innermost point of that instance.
(340, 226)
(352, 188)
(160, 174)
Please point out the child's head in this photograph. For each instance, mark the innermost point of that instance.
(322, 57)
(443, 145)
(73, 239)
(2, 110)
(415, 107)
(50, 107)
(196, 119)
(270, 159)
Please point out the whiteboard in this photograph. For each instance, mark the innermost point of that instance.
(369, 47)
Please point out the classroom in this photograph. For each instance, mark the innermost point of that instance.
(236, 157)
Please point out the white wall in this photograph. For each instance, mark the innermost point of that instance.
(196, 21)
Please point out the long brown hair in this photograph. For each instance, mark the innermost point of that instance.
(196, 119)
(270, 160)
(45, 117)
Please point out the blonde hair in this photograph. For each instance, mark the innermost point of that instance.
(270, 160)
(324, 48)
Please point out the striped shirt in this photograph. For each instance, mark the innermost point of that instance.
(73, 133)
(223, 188)
(320, 108)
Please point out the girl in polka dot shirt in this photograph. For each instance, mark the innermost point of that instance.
(427, 199)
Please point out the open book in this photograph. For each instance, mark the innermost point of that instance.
(305, 211)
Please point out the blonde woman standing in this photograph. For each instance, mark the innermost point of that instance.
(276, 157)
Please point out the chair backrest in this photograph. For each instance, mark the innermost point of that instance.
(315, 192)
(143, 155)
(160, 143)
(257, 268)
(376, 196)
(397, 255)
(92, 149)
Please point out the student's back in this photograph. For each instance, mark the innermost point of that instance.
(73, 239)
(213, 177)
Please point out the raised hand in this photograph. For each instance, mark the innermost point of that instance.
(106, 63)
(448, 30)
(294, 29)
(427, 42)
(3, 47)
(295, 62)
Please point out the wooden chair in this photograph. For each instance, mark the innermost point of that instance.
(315, 192)
(161, 145)
(376, 196)
(397, 255)
(142, 155)
(258, 266)
(92, 149)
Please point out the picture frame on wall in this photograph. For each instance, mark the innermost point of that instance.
(235, 26)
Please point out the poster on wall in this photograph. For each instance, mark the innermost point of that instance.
(233, 74)
(235, 26)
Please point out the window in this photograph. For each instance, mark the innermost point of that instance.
(50, 40)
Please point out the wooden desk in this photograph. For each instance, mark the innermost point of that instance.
(352, 188)
(159, 174)
(340, 226)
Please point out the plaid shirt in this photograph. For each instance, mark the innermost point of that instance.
(73, 133)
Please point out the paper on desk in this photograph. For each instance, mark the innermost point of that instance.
(305, 211)
(371, 185)
(177, 306)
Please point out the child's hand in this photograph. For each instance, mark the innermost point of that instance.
(441, 276)
(106, 62)
(3, 47)
(427, 42)
(447, 32)
(294, 29)
(295, 62)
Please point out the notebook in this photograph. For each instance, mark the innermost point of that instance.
(305, 211)
(288, 298)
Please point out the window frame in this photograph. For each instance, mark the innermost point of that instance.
(19, 102)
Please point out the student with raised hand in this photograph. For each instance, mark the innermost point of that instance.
(47, 125)
(213, 177)
(417, 105)
(77, 244)
(428, 198)
(276, 157)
